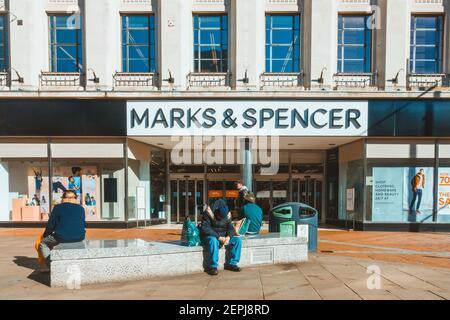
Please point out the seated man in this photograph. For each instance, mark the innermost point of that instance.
(217, 229)
(252, 212)
(67, 224)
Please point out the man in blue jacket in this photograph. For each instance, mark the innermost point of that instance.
(217, 230)
(67, 224)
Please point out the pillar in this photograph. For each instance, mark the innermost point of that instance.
(247, 163)
(167, 207)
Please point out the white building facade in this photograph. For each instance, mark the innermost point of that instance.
(351, 95)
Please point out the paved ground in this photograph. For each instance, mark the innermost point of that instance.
(412, 266)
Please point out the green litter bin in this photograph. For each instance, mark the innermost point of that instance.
(285, 218)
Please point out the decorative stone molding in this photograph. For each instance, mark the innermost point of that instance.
(210, 5)
(136, 5)
(427, 6)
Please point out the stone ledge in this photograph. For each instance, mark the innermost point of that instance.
(102, 261)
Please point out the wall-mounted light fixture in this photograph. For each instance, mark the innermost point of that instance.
(95, 79)
(320, 79)
(245, 80)
(19, 78)
(171, 79)
(395, 79)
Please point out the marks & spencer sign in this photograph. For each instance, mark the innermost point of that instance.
(247, 118)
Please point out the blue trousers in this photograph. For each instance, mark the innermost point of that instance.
(417, 196)
(234, 247)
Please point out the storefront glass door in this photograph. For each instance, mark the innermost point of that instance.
(187, 199)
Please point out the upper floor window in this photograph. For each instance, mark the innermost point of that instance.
(282, 43)
(66, 50)
(354, 44)
(210, 43)
(3, 43)
(426, 44)
(138, 43)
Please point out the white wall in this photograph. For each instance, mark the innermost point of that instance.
(4, 192)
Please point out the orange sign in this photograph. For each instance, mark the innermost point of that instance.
(215, 193)
(232, 193)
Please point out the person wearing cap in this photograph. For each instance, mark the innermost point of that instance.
(217, 230)
(252, 212)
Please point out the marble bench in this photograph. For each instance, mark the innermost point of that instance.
(101, 261)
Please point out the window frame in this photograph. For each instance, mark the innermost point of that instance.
(341, 46)
(150, 29)
(270, 43)
(53, 45)
(196, 47)
(413, 47)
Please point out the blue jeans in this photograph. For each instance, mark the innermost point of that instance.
(417, 196)
(234, 247)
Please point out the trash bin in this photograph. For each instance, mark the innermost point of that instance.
(284, 214)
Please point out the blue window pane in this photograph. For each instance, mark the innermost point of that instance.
(426, 67)
(352, 66)
(152, 65)
(208, 52)
(152, 22)
(138, 36)
(195, 37)
(353, 37)
(427, 53)
(1, 37)
(152, 37)
(66, 65)
(282, 36)
(210, 22)
(210, 37)
(224, 22)
(196, 25)
(2, 21)
(282, 22)
(66, 36)
(124, 22)
(138, 65)
(340, 22)
(339, 66)
(426, 22)
(426, 37)
(340, 48)
(281, 52)
(281, 66)
(138, 21)
(224, 37)
(66, 52)
(136, 52)
(62, 21)
(355, 22)
(354, 52)
(268, 36)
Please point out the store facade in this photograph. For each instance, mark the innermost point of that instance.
(141, 162)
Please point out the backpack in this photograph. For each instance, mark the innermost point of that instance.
(190, 235)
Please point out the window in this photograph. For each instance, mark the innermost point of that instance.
(3, 44)
(354, 44)
(66, 51)
(426, 44)
(282, 43)
(138, 43)
(210, 43)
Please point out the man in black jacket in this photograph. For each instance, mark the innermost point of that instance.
(217, 229)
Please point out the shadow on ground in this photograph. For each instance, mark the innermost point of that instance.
(33, 264)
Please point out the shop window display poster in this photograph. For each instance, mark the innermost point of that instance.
(444, 195)
(38, 194)
(84, 182)
(403, 194)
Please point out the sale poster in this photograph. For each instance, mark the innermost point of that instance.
(444, 195)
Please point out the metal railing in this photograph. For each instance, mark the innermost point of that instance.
(136, 79)
(209, 79)
(427, 80)
(355, 80)
(4, 79)
(272, 79)
(60, 79)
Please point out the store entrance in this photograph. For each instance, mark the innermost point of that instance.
(188, 199)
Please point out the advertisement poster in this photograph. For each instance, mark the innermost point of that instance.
(38, 192)
(84, 182)
(402, 194)
(444, 195)
(387, 195)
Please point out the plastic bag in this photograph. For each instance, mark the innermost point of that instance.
(190, 235)
(37, 244)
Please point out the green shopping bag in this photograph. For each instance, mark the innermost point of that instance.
(190, 235)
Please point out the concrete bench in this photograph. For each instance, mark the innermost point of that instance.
(101, 261)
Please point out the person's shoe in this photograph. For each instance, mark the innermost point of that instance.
(418, 212)
(231, 267)
(44, 269)
(212, 272)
